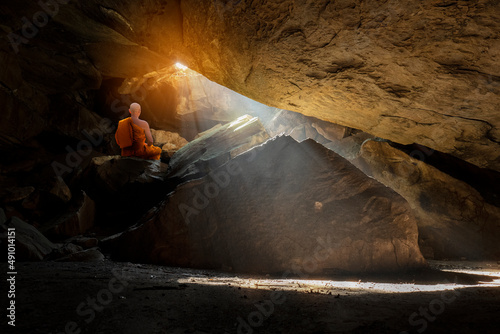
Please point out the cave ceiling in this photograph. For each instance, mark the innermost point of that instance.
(421, 72)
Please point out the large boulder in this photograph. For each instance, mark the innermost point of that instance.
(162, 137)
(124, 188)
(31, 244)
(281, 206)
(454, 219)
(78, 220)
(216, 147)
(170, 142)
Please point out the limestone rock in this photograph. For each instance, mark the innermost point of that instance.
(31, 245)
(84, 242)
(64, 250)
(331, 131)
(213, 128)
(124, 188)
(166, 137)
(78, 221)
(406, 71)
(170, 142)
(114, 173)
(216, 147)
(87, 255)
(60, 190)
(73, 253)
(454, 220)
(14, 194)
(280, 206)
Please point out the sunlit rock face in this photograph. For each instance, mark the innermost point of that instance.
(215, 147)
(280, 206)
(454, 219)
(407, 71)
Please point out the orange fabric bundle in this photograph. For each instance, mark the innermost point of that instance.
(132, 140)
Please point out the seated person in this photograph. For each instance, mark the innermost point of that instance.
(134, 136)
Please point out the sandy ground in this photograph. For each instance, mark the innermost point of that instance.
(113, 297)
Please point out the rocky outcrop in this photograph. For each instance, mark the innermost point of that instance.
(454, 220)
(31, 245)
(423, 72)
(280, 206)
(215, 147)
(124, 188)
(78, 220)
(170, 142)
(166, 137)
(87, 255)
(409, 71)
(84, 242)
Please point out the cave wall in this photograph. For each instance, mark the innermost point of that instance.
(422, 72)
(406, 71)
(409, 72)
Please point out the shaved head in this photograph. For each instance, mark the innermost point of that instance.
(135, 107)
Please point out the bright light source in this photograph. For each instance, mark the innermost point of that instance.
(180, 66)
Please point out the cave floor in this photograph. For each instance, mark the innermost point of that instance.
(115, 297)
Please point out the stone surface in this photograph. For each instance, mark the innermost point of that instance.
(124, 188)
(31, 245)
(14, 194)
(87, 255)
(84, 242)
(78, 220)
(60, 189)
(114, 173)
(216, 147)
(63, 251)
(405, 71)
(280, 206)
(423, 72)
(412, 72)
(170, 142)
(454, 220)
(166, 137)
(71, 252)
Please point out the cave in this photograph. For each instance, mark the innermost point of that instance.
(325, 166)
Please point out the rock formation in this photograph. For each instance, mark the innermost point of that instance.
(170, 142)
(124, 188)
(215, 147)
(78, 220)
(31, 245)
(280, 206)
(407, 71)
(454, 220)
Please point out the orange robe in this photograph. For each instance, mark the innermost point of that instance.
(139, 147)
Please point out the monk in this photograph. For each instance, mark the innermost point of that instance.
(139, 134)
